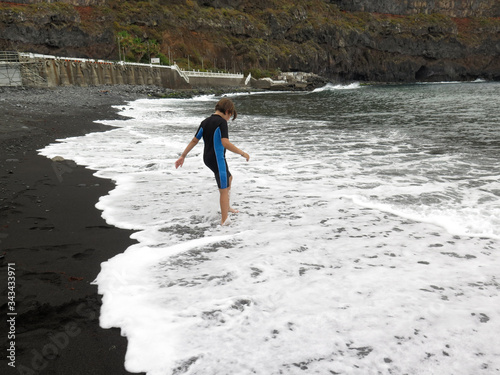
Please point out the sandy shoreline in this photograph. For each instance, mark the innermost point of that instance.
(52, 234)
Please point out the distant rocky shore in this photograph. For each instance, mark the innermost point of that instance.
(369, 41)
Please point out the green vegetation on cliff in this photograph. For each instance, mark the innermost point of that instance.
(259, 36)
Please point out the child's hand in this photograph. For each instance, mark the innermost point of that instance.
(246, 156)
(179, 162)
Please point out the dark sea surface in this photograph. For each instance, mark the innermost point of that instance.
(368, 238)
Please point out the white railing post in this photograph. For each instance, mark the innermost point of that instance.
(248, 79)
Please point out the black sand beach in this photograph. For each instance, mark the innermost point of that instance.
(53, 239)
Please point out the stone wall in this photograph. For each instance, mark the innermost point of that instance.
(59, 72)
(50, 71)
(452, 8)
(10, 74)
(201, 82)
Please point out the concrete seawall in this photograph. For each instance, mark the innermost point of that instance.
(78, 73)
(211, 79)
(50, 71)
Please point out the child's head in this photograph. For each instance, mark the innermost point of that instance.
(226, 106)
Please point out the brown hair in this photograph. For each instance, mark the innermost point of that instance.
(225, 106)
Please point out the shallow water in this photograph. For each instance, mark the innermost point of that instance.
(367, 240)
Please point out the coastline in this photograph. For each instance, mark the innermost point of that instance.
(52, 236)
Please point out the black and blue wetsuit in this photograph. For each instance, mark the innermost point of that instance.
(213, 129)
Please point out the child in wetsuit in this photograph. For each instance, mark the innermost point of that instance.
(214, 132)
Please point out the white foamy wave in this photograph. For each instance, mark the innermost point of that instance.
(303, 280)
(478, 80)
(250, 93)
(332, 87)
(469, 222)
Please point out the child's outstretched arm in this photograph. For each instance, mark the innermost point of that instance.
(228, 145)
(189, 147)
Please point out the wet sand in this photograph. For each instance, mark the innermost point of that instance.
(52, 238)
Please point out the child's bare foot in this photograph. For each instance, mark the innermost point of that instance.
(232, 210)
(226, 222)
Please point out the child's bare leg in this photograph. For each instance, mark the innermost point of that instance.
(230, 209)
(224, 204)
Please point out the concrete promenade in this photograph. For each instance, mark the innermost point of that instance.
(35, 70)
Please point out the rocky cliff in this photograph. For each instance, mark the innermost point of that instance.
(72, 2)
(452, 8)
(324, 37)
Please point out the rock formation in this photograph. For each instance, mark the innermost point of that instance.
(337, 39)
(452, 8)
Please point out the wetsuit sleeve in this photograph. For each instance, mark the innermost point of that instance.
(199, 132)
(224, 132)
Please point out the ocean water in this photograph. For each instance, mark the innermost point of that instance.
(368, 238)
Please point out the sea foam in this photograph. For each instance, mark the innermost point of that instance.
(333, 265)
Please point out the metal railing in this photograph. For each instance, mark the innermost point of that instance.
(10, 69)
(197, 73)
(9, 57)
(181, 73)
